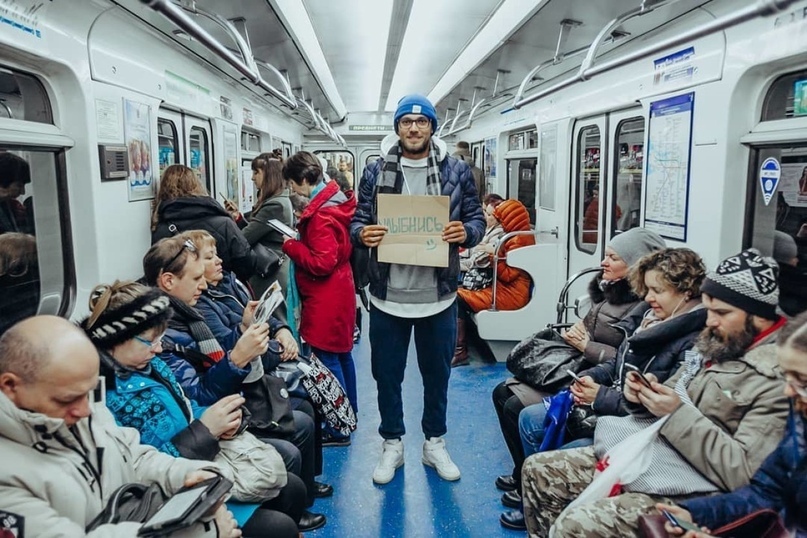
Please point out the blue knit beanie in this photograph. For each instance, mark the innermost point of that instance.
(415, 104)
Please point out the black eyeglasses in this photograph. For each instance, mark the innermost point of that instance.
(188, 244)
(421, 122)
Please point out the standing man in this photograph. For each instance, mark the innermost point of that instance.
(463, 153)
(405, 296)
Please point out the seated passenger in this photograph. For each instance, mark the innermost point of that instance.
(594, 337)
(780, 484)
(792, 279)
(513, 284)
(669, 280)
(724, 407)
(481, 253)
(174, 266)
(126, 324)
(15, 174)
(19, 278)
(182, 203)
(82, 456)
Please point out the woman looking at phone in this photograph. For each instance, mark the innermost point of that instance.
(656, 339)
(780, 484)
(126, 324)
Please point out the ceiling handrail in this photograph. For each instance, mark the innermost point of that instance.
(470, 118)
(763, 8)
(288, 96)
(245, 65)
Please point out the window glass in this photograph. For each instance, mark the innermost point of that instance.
(628, 164)
(340, 166)
(168, 141)
(200, 155)
(547, 178)
(22, 97)
(521, 173)
(250, 142)
(787, 97)
(33, 242)
(523, 140)
(587, 204)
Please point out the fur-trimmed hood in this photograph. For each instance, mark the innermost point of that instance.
(617, 293)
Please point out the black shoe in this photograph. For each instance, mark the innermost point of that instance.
(512, 499)
(322, 490)
(506, 482)
(330, 440)
(310, 521)
(513, 519)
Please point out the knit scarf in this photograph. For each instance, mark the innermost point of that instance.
(392, 167)
(189, 320)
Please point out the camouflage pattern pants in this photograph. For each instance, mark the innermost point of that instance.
(552, 480)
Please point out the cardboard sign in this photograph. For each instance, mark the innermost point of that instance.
(415, 229)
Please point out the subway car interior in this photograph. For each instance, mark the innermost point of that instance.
(687, 118)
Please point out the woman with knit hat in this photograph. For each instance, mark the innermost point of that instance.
(512, 286)
(126, 324)
(594, 336)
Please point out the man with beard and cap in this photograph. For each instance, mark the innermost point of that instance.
(405, 296)
(724, 408)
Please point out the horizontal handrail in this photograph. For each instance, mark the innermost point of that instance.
(762, 8)
(469, 120)
(287, 97)
(496, 248)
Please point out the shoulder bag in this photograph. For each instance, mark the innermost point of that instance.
(327, 395)
(267, 261)
(267, 399)
(131, 502)
(258, 470)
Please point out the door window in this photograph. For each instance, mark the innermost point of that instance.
(168, 143)
(521, 173)
(200, 155)
(341, 165)
(587, 203)
(22, 97)
(628, 164)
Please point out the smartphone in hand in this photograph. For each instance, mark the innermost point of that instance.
(642, 379)
(574, 376)
(675, 522)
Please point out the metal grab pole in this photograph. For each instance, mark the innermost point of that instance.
(499, 244)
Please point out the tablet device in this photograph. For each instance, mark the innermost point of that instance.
(187, 506)
(282, 228)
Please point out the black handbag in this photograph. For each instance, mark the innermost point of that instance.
(477, 278)
(130, 502)
(541, 361)
(267, 399)
(267, 261)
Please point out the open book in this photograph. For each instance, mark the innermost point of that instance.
(269, 301)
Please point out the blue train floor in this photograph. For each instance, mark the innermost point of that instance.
(417, 503)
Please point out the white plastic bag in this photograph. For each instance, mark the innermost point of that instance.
(626, 461)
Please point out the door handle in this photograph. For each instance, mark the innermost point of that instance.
(553, 231)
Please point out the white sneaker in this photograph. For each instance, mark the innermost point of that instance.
(392, 457)
(435, 455)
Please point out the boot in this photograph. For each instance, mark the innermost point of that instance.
(461, 349)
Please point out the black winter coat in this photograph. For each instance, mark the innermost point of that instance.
(609, 306)
(204, 213)
(658, 350)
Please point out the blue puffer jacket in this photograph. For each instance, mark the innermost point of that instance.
(223, 306)
(457, 182)
(779, 484)
(208, 387)
(152, 402)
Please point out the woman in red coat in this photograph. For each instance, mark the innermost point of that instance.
(322, 268)
(512, 284)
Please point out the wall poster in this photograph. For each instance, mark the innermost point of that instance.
(137, 136)
(669, 150)
(793, 184)
(490, 158)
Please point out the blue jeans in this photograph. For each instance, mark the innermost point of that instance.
(531, 429)
(435, 339)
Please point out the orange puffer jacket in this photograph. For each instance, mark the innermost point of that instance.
(513, 287)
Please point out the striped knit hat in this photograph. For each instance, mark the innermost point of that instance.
(748, 281)
(117, 325)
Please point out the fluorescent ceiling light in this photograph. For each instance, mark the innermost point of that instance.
(509, 16)
(294, 17)
(372, 31)
(507, 19)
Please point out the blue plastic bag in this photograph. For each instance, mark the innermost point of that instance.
(558, 408)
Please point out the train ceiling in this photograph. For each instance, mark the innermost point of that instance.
(359, 56)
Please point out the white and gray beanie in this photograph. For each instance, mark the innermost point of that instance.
(748, 281)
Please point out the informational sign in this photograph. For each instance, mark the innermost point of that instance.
(674, 67)
(137, 135)
(490, 158)
(108, 121)
(769, 176)
(794, 184)
(668, 155)
(22, 16)
(181, 90)
(547, 177)
(384, 127)
(414, 229)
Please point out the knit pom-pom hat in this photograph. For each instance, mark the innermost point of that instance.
(117, 325)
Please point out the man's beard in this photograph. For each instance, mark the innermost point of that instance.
(715, 348)
(414, 147)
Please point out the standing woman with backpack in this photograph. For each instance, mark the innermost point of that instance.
(322, 270)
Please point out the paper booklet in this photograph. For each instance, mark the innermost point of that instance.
(282, 228)
(269, 301)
